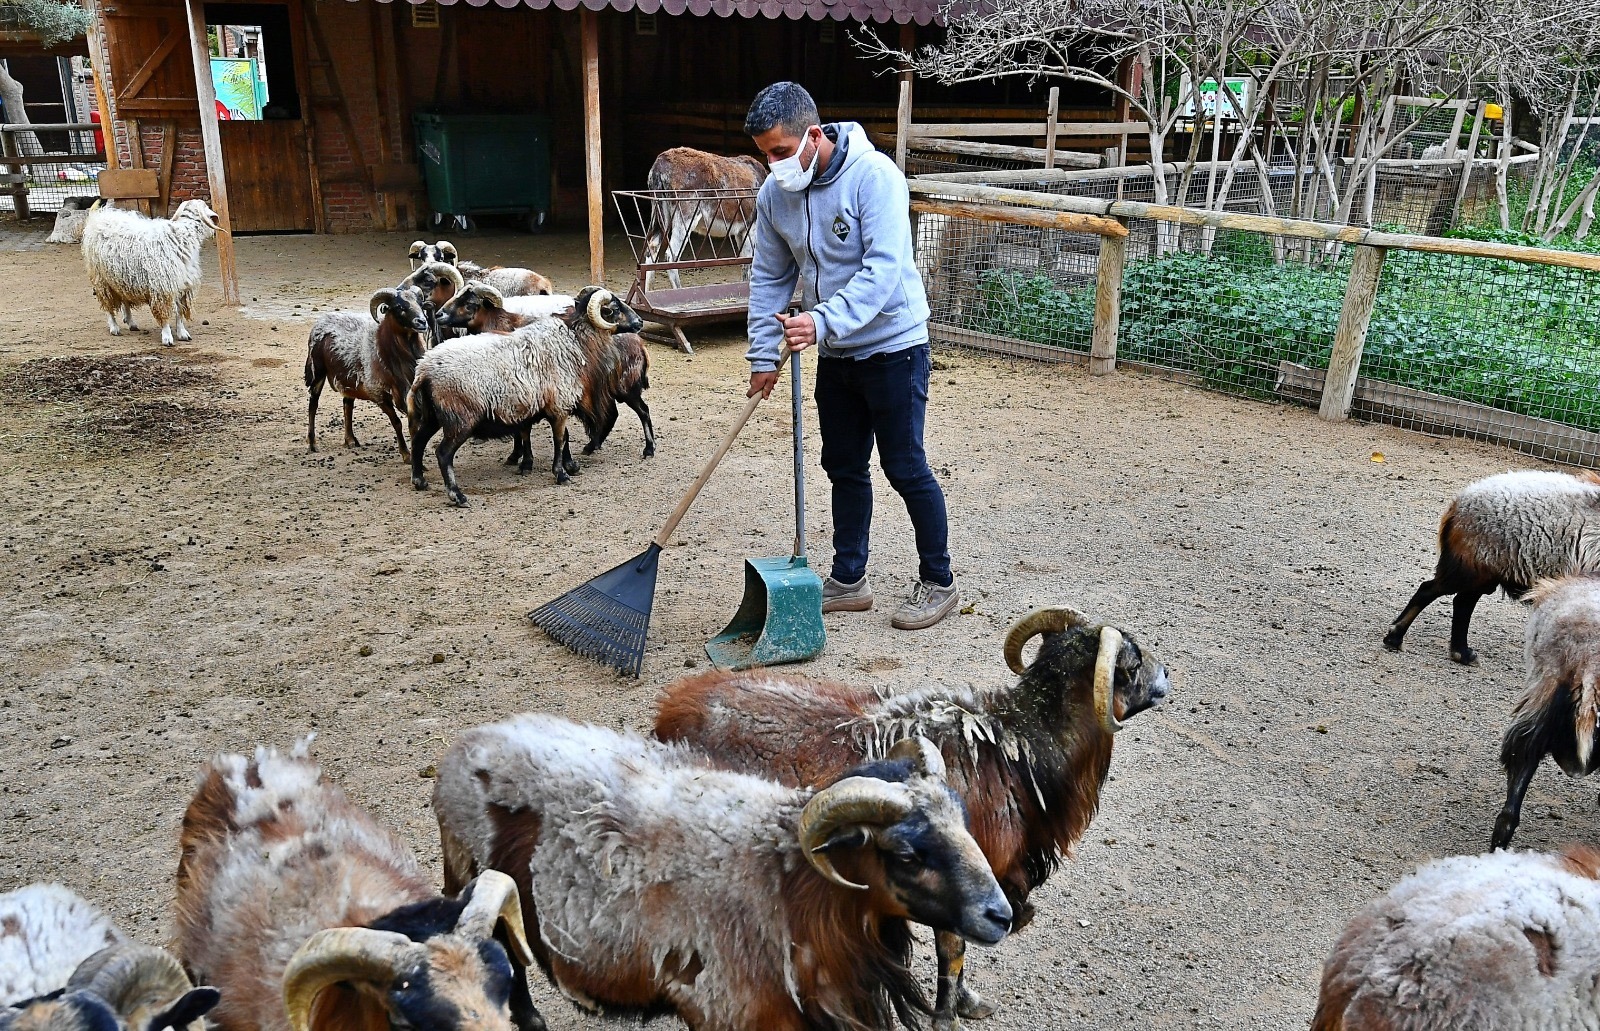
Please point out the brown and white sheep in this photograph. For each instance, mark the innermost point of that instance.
(700, 194)
(1508, 941)
(1029, 759)
(491, 386)
(481, 309)
(1507, 531)
(1560, 707)
(367, 359)
(311, 917)
(655, 881)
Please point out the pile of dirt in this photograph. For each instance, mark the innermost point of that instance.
(73, 377)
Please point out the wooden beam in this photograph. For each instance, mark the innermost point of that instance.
(1108, 304)
(212, 138)
(590, 31)
(902, 124)
(1350, 339)
(1466, 164)
(968, 130)
(140, 78)
(1006, 152)
(1050, 127)
(136, 161)
(1023, 216)
(169, 144)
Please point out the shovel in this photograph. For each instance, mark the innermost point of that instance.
(780, 616)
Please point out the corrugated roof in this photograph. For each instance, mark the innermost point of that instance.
(922, 12)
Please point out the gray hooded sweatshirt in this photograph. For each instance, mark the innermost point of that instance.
(846, 239)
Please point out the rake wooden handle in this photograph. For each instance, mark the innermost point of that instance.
(705, 474)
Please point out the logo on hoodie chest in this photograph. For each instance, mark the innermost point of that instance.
(841, 228)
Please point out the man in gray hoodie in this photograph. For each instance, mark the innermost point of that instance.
(834, 217)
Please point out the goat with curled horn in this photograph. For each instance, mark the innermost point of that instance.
(1028, 758)
(311, 917)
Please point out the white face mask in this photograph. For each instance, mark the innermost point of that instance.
(787, 171)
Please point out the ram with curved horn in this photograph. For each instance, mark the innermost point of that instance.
(1029, 758)
(64, 966)
(654, 881)
(311, 917)
(370, 357)
(494, 385)
(438, 281)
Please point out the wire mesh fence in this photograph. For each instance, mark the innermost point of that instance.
(1494, 349)
(44, 166)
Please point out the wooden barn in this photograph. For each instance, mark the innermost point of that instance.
(334, 149)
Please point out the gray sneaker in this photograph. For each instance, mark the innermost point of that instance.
(838, 597)
(927, 604)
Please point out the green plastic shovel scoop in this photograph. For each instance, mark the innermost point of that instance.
(780, 616)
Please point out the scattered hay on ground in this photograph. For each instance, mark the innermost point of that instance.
(73, 377)
(155, 421)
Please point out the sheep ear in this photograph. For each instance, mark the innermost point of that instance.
(190, 1007)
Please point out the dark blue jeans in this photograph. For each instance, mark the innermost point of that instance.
(882, 398)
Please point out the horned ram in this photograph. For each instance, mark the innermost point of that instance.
(311, 917)
(657, 882)
(1029, 759)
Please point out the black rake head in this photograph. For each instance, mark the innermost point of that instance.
(607, 618)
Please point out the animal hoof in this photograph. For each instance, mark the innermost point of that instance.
(1391, 642)
(946, 1022)
(418, 483)
(523, 470)
(1466, 656)
(649, 452)
(458, 500)
(590, 449)
(562, 477)
(574, 469)
(973, 1006)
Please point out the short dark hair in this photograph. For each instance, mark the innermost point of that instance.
(785, 104)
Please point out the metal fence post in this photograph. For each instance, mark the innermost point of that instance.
(1107, 304)
(1350, 339)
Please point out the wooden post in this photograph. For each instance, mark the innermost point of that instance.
(1351, 337)
(590, 31)
(1108, 303)
(1466, 165)
(1051, 114)
(902, 124)
(212, 137)
(97, 67)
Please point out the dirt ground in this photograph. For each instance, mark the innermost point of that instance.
(182, 577)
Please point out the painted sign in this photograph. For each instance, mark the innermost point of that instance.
(238, 85)
(1210, 97)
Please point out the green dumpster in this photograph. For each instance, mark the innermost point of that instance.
(485, 163)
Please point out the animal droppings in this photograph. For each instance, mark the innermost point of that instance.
(364, 650)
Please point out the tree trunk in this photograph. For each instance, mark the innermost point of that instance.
(16, 113)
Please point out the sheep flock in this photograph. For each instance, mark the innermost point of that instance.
(764, 857)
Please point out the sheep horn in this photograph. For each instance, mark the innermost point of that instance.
(449, 250)
(597, 301)
(417, 247)
(137, 981)
(383, 299)
(854, 800)
(342, 954)
(445, 270)
(494, 901)
(490, 294)
(924, 756)
(1105, 679)
(1040, 621)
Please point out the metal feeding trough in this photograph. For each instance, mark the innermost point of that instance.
(691, 249)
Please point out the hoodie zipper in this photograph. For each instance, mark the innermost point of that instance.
(816, 266)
